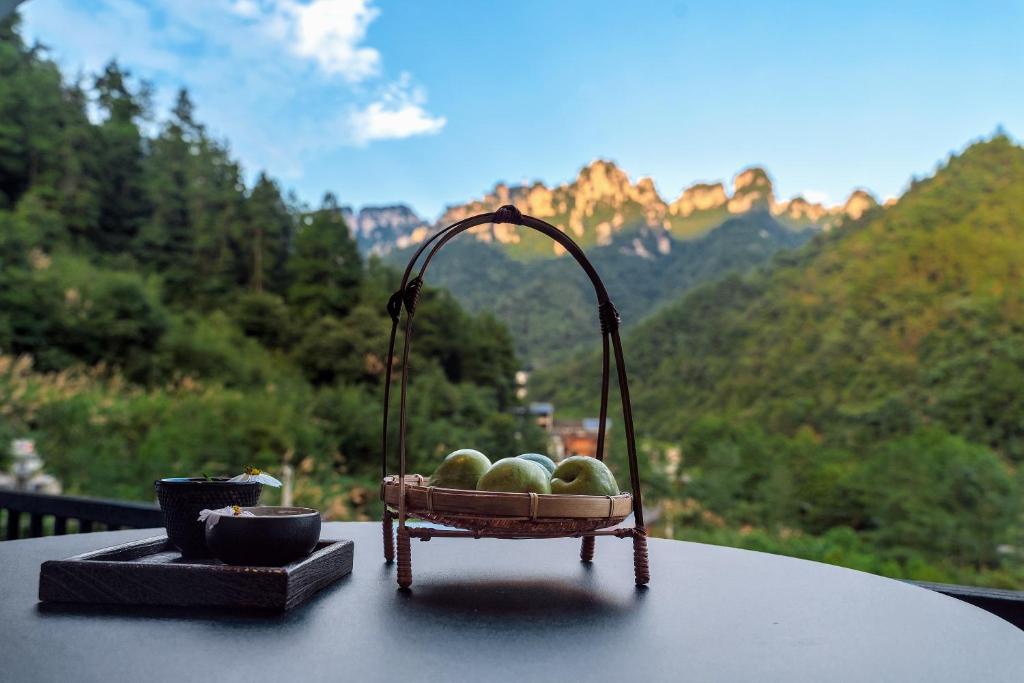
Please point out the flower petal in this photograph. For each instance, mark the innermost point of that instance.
(244, 476)
(265, 478)
(207, 514)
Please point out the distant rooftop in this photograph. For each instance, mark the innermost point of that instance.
(592, 423)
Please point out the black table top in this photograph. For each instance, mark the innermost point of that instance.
(519, 611)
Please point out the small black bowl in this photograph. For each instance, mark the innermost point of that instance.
(182, 498)
(273, 536)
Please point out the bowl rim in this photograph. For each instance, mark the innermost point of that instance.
(295, 512)
(213, 482)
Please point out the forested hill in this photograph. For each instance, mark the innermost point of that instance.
(912, 316)
(159, 316)
(859, 402)
(549, 304)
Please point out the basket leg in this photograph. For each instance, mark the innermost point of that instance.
(587, 549)
(404, 558)
(389, 537)
(640, 565)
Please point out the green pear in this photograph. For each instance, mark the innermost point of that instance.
(583, 476)
(460, 469)
(515, 475)
(542, 460)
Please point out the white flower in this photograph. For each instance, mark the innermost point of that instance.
(256, 474)
(212, 516)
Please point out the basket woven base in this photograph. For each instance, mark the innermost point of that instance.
(518, 528)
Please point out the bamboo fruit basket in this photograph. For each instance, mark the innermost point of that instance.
(486, 514)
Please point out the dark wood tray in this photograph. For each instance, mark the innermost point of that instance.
(153, 572)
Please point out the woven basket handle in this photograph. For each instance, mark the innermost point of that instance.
(407, 297)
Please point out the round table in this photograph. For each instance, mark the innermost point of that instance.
(497, 610)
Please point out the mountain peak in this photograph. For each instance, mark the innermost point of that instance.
(752, 178)
(602, 165)
(602, 179)
(699, 197)
(752, 188)
(859, 202)
(799, 209)
(645, 193)
(378, 229)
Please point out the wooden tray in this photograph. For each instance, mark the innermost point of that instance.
(153, 572)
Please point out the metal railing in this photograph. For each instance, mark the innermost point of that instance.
(30, 515)
(1008, 604)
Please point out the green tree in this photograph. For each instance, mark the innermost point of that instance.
(324, 269)
(167, 240)
(116, 319)
(491, 361)
(45, 136)
(267, 236)
(30, 112)
(77, 193)
(123, 199)
(938, 494)
(216, 203)
(265, 317)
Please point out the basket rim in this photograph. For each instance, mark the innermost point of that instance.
(502, 504)
(392, 480)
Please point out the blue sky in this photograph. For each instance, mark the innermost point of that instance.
(431, 103)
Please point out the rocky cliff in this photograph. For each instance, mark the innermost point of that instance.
(602, 206)
(379, 229)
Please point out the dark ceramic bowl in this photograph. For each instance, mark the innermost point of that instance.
(272, 537)
(182, 498)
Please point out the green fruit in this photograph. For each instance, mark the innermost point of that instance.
(542, 460)
(583, 476)
(461, 469)
(515, 475)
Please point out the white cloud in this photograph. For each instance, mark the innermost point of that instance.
(398, 113)
(250, 9)
(329, 32)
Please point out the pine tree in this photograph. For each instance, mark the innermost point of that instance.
(30, 99)
(123, 200)
(77, 193)
(267, 237)
(217, 203)
(44, 137)
(166, 242)
(325, 269)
